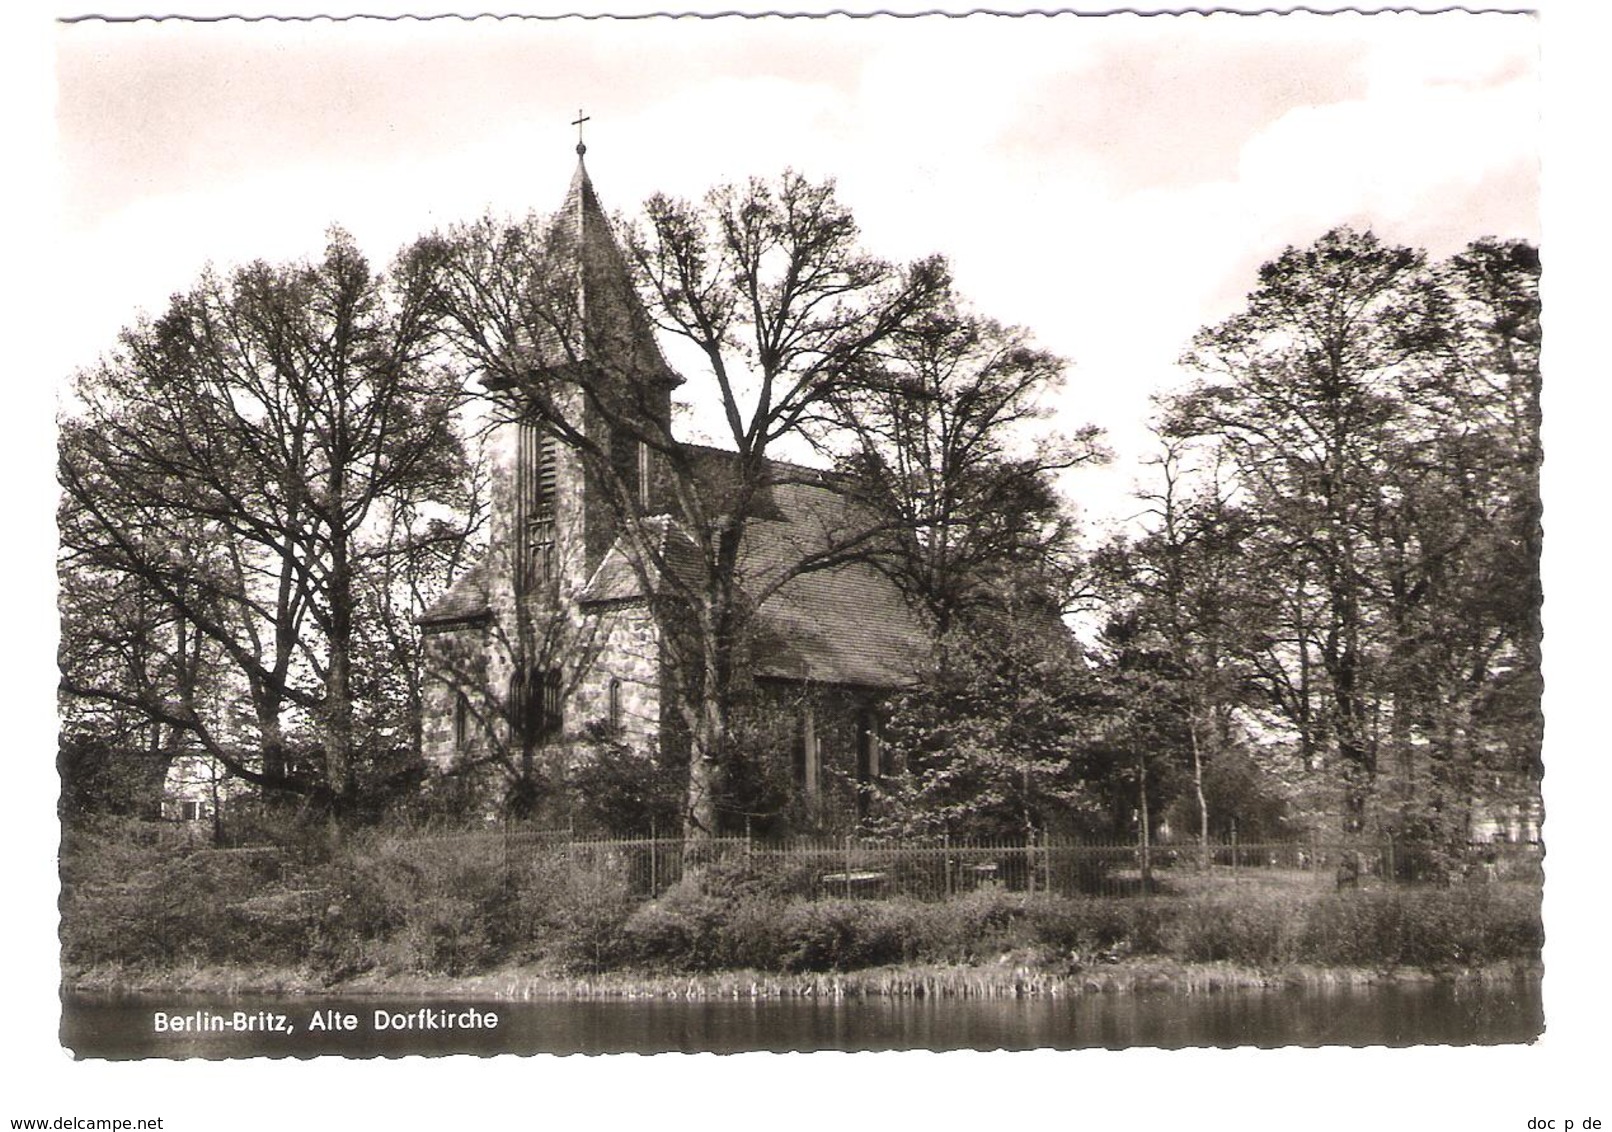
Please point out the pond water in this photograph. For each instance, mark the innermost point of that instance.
(220, 1026)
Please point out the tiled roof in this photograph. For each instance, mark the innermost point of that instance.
(465, 601)
(617, 579)
(846, 624)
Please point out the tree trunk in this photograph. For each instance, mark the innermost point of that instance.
(1146, 834)
(1197, 790)
(706, 749)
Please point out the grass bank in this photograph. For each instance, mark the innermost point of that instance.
(1005, 980)
(382, 914)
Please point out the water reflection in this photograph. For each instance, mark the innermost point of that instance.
(1394, 1015)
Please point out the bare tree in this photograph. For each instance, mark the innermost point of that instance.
(1182, 582)
(242, 462)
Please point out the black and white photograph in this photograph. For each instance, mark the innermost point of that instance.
(1013, 536)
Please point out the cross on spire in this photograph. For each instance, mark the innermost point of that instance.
(580, 118)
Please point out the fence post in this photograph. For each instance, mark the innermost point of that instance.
(654, 854)
(946, 861)
(1046, 858)
(848, 866)
(1234, 853)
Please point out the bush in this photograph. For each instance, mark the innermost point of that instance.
(744, 877)
(1430, 928)
(1101, 927)
(1252, 933)
(141, 894)
(148, 895)
(455, 905)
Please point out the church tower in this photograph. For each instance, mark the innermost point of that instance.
(513, 657)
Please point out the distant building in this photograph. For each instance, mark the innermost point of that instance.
(553, 639)
(197, 790)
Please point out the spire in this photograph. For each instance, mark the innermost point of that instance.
(615, 326)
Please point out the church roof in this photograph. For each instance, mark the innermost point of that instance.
(594, 311)
(843, 624)
(847, 624)
(465, 602)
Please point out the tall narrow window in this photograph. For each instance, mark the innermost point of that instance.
(519, 710)
(629, 457)
(553, 721)
(870, 752)
(540, 558)
(808, 755)
(461, 723)
(643, 476)
(615, 705)
(869, 757)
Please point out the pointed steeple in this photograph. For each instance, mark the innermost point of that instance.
(616, 332)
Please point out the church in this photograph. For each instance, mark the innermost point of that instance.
(556, 646)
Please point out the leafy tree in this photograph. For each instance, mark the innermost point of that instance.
(1463, 590)
(946, 444)
(995, 740)
(1378, 419)
(1301, 391)
(240, 471)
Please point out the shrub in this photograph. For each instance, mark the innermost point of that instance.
(1423, 927)
(582, 915)
(146, 897)
(1253, 932)
(744, 877)
(139, 894)
(1098, 927)
(827, 936)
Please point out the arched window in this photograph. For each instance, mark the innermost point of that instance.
(537, 706)
(553, 720)
(461, 722)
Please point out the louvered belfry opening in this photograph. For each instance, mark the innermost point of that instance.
(536, 488)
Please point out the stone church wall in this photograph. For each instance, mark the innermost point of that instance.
(627, 659)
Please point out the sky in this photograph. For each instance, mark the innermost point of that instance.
(1112, 184)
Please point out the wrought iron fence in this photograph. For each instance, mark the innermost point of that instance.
(853, 867)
